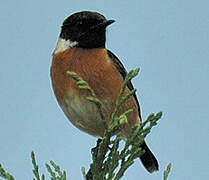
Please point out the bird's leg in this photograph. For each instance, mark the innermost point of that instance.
(94, 152)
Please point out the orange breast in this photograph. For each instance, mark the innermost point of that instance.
(95, 67)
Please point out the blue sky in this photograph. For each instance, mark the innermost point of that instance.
(167, 39)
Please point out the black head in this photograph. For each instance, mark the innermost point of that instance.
(87, 28)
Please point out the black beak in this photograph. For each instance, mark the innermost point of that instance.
(103, 25)
(108, 22)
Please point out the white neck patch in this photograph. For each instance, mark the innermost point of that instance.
(63, 44)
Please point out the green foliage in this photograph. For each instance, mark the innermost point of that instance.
(122, 98)
(35, 168)
(53, 169)
(166, 172)
(112, 156)
(56, 173)
(5, 174)
(110, 162)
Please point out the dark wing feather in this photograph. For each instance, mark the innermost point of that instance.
(123, 73)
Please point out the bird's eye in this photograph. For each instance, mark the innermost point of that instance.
(80, 22)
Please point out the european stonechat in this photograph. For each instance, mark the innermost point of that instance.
(81, 49)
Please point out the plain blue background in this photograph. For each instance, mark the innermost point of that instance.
(167, 39)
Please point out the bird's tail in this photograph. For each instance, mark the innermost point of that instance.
(148, 159)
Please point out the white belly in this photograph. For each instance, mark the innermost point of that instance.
(83, 114)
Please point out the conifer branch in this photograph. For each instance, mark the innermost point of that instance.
(36, 168)
(166, 172)
(56, 173)
(5, 174)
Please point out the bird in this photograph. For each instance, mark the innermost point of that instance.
(81, 49)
